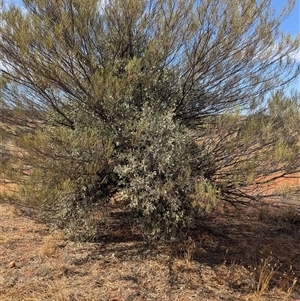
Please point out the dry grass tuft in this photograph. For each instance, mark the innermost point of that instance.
(51, 243)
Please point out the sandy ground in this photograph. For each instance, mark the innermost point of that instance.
(228, 257)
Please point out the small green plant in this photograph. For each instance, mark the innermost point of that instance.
(206, 195)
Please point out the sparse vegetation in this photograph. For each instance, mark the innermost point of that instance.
(230, 256)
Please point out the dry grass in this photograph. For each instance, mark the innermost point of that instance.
(228, 256)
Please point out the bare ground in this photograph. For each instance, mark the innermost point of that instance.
(245, 255)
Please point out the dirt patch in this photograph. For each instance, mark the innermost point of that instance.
(226, 257)
(281, 183)
(7, 188)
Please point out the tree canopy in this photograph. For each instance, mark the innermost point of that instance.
(165, 102)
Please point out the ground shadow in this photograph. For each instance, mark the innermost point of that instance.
(250, 238)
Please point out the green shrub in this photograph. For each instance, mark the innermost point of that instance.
(70, 175)
(157, 171)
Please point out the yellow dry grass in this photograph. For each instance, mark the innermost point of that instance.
(229, 256)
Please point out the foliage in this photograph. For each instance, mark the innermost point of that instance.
(164, 101)
(158, 171)
(254, 149)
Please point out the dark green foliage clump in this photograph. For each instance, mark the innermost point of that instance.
(157, 172)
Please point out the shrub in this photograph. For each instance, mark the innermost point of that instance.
(157, 172)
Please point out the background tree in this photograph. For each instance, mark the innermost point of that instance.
(137, 97)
